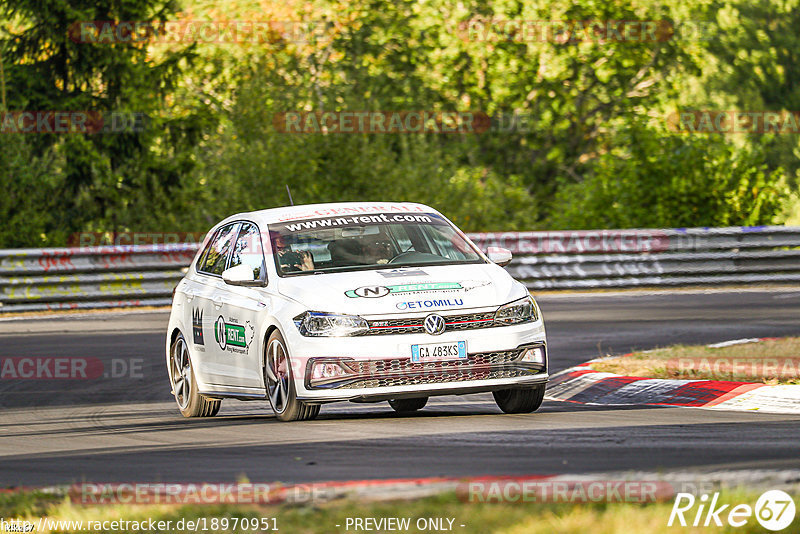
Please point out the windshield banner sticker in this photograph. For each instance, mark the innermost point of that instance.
(356, 220)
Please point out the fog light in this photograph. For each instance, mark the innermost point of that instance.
(327, 370)
(533, 355)
(323, 372)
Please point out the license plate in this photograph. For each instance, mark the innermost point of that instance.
(439, 351)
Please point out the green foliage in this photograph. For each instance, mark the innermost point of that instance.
(593, 152)
(650, 179)
(574, 92)
(98, 179)
(28, 185)
(248, 166)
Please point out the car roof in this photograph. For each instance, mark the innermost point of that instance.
(334, 209)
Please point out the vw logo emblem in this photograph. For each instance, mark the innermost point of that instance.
(434, 324)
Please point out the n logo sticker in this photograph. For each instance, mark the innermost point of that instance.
(372, 292)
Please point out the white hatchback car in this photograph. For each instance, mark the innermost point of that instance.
(365, 302)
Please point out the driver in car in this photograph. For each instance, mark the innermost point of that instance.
(291, 260)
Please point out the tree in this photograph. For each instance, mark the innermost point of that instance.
(652, 180)
(50, 67)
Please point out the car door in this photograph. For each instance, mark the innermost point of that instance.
(206, 300)
(241, 308)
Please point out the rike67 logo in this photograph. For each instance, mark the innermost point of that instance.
(774, 510)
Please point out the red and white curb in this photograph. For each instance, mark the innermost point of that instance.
(582, 384)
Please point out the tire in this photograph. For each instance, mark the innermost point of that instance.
(408, 405)
(279, 382)
(184, 385)
(519, 400)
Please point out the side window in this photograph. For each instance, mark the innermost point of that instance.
(217, 255)
(203, 255)
(248, 250)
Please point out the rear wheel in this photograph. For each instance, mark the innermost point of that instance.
(280, 383)
(520, 400)
(408, 405)
(184, 386)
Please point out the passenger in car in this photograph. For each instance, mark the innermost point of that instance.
(345, 252)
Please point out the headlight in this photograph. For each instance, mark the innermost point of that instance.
(519, 311)
(318, 324)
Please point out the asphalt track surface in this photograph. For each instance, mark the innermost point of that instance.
(127, 429)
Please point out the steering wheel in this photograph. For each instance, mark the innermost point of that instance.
(402, 255)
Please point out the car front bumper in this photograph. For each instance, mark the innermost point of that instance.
(382, 368)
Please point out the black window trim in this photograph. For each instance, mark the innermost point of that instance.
(260, 236)
(238, 222)
(201, 259)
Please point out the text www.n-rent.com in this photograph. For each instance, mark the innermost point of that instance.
(361, 219)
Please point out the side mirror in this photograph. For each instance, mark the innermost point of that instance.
(500, 256)
(241, 275)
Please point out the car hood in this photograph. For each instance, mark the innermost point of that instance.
(411, 290)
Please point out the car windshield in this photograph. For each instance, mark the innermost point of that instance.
(365, 242)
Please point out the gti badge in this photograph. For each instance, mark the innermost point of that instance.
(197, 326)
(434, 324)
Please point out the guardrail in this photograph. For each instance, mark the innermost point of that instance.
(91, 277)
(144, 275)
(629, 258)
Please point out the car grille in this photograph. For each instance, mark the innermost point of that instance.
(413, 325)
(375, 367)
(402, 372)
(437, 377)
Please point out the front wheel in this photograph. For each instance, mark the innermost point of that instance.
(520, 400)
(280, 383)
(408, 405)
(184, 386)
